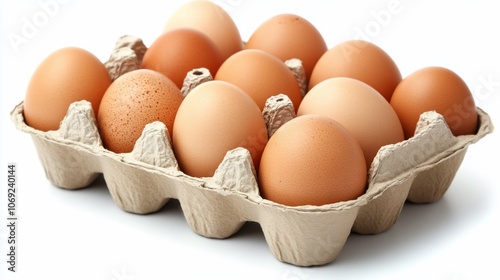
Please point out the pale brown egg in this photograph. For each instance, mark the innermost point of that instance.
(289, 36)
(435, 89)
(214, 118)
(261, 75)
(134, 100)
(312, 160)
(67, 75)
(210, 19)
(360, 60)
(359, 108)
(178, 51)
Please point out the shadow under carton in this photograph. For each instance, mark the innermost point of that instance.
(419, 169)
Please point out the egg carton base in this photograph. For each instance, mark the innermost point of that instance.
(419, 169)
(430, 185)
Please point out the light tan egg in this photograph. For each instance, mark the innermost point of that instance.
(210, 19)
(214, 118)
(359, 108)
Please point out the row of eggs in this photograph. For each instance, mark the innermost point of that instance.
(356, 101)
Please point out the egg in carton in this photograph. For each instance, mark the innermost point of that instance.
(419, 169)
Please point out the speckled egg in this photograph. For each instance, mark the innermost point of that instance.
(131, 102)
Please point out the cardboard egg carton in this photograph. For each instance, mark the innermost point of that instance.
(419, 169)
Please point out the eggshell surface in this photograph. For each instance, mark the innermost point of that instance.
(67, 75)
(134, 100)
(359, 108)
(176, 52)
(261, 75)
(289, 36)
(210, 19)
(360, 60)
(435, 89)
(214, 118)
(312, 160)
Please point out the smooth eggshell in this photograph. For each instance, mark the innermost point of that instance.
(67, 75)
(210, 19)
(289, 36)
(178, 51)
(359, 108)
(360, 60)
(134, 100)
(261, 75)
(312, 160)
(435, 89)
(214, 118)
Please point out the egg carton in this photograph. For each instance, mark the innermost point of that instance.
(419, 170)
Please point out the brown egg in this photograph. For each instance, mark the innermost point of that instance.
(360, 60)
(261, 75)
(134, 100)
(312, 160)
(289, 36)
(359, 108)
(210, 19)
(176, 52)
(214, 118)
(435, 89)
(65, 76)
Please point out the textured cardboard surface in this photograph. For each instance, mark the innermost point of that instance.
(419, 169)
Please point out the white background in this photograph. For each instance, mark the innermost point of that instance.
(84, 235)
